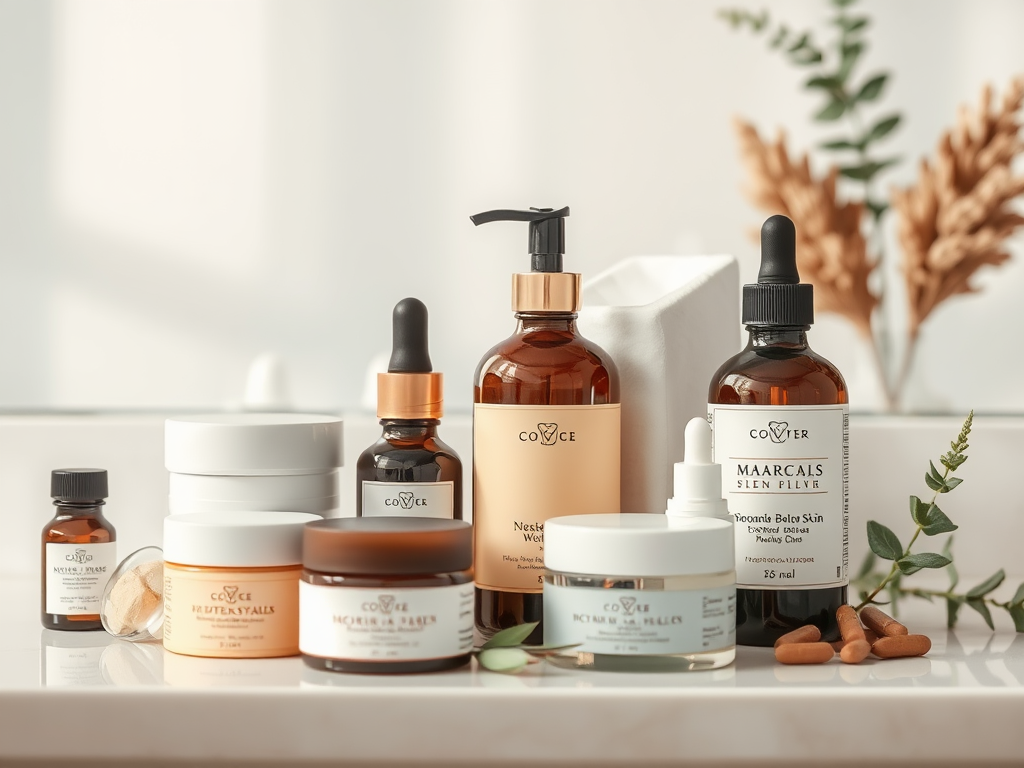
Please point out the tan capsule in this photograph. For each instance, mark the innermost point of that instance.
(868, 635)
(805, 634)
(883, 624)
(804, 653)
(901, 646)
(849, 624)
(855, 651)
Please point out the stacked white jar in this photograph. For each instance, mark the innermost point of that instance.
(285, 462)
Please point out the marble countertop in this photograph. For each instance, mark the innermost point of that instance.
(69, 696)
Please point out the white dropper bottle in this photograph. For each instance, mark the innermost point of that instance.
(697, 480)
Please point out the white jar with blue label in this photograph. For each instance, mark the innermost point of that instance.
(638, 592)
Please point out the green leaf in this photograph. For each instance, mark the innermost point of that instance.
(954, 576)
(1017, 614)
(843, 3)
(883, 542)
(936, 522)
(853, 24)
(867, 171)
(507, 660)
(869, 563)
(800, 43)
(850, 53)
(914, 563)
(839, 144)
(1018, 598)
(934, 472)
(780, 37)
(882, 128)
(980, 606)
(831, 111)
(828, 83)
(987, 585)
(952, 483)
(806, 57)
(952, 609)
(935, 485)
(919, 511)
(872, 89)
(511, 636)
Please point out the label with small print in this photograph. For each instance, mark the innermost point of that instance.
(361, 624)
(640, 622)
(785, 474)
(76, 575)
(409, 499)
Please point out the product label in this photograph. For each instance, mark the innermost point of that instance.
(72, 666)
(231, 612)
(409, 499)
(359, 624)
(532, 463)
(76, 575)
(785, 472)
(640, 622)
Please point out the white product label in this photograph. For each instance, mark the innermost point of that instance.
(640, 622)
(359, 624)
(76, 575)
(785, 473)
(409, 499)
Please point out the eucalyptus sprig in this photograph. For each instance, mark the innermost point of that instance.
(832, 74)
(930, 520)
(505, 651)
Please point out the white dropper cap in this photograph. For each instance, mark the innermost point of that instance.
(697, 480)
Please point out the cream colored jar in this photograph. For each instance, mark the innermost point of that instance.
(231, 583)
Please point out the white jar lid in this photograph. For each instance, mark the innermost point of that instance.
(638, 545)
(253, 444)
(235, 539)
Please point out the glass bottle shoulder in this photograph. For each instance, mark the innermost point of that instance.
(777, 374)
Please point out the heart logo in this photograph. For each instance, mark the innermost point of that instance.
(548, 433)
(230, 592)
(406, 498)
(387, 603)
(778, 430)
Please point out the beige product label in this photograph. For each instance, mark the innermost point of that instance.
(231, 613)
(532, 463)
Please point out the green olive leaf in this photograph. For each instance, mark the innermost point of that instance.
(1017, 614)
(883, 542)
(914, 563)
(510, 637)
(979, 605)
(987, 585)
(507, 660)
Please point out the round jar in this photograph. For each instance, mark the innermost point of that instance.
(640, 592)
(386, 594)
(253, 461)
(231, 583)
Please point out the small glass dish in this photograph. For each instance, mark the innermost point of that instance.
(133, 600)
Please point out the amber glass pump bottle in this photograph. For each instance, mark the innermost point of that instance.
(409, 471)
(546, 430)
(780, 419)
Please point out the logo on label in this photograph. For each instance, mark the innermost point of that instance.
(79, 556)
(547, 434)
(778, 432)
(406, 498)
(229, 594)
(628, 605)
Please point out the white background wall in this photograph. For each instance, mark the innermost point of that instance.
(185, 184)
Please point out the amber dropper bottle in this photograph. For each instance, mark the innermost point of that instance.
(780, 419)
(546, 430)
(79, 552)
(409, 471)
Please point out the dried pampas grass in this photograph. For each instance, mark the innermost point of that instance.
(831, 250)
(958, 215)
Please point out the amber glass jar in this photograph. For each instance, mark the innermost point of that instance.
(386, 594)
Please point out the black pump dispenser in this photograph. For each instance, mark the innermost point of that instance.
(547, 234)
(778, 298)
(409, 350)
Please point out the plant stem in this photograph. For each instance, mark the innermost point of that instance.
(948, 595)
(892, 571)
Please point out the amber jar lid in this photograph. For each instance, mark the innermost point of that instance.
(387, 545)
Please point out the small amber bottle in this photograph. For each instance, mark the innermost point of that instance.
(546, 430)
(409, 471)
(780, 419)
(79, 552)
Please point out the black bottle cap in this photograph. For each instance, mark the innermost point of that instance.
(547, 234)
(409, 351)
(78, 485)
(778, 297)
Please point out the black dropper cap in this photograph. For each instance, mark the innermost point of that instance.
(547, 234)
(78, 485)
(409, 351)
(778, 297)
